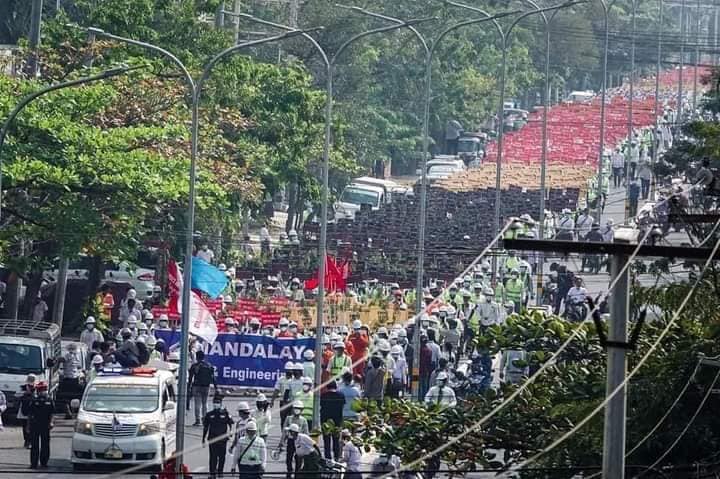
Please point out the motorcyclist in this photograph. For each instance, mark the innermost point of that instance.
(575, 298)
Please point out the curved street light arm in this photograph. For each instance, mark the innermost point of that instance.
(492, 18)
(58, 86)
(188, 78)
(288, 28)
(541, 11)
(498, 27)
(388, 28)
(397, 21)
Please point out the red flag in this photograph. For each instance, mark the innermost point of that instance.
(334, 279)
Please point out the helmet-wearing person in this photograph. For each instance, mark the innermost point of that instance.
(360, 343)
(515, 290)
(293, 329)
(262, 415)
(231, 326)
(163, 322)
(282, 390)
(283, 326)
(90, 334)
(254, 327)
(307, 397)
(339, 361)
(309, 363)
(441, 394)
(294, 425)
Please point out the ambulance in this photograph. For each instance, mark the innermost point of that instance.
(126, 416)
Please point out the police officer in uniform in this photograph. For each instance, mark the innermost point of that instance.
(216, 425)
(40, 421)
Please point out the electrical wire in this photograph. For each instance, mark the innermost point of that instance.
(687, 426)
(632, 373)
(476, 426)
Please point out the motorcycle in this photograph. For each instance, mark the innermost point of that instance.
(575, 311)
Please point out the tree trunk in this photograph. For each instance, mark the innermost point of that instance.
(292, 205)
(31, 293)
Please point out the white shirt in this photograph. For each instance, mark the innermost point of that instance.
(71, 366)
(566, 224)
(263, 419)
(584, 224)
(39, 311)
(445, 397)
(576, 294)
(489, 313)
(206, 255)
(88, 337)
(400, 368)
(304, 445)
(351, 457)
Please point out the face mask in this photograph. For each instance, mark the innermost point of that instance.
(217, 406)
(293, 330)
(296, 412)
(488, 299)
(283, 328)
(163, 324)
(90, 327)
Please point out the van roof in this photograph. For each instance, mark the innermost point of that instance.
(375, 182)
(144, 379)
(363, 186)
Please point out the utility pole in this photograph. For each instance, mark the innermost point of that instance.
(615, 411)
(34, 40)
(236, 22)
(679, 106)
(616, 343)
(220, 16)
(60, 289)
(293, 17)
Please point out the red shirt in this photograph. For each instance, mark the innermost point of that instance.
(360, 343)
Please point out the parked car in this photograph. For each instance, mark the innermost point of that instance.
(141, 275)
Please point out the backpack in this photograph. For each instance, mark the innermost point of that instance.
(204, 375)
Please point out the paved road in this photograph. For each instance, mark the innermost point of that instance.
(14, 460)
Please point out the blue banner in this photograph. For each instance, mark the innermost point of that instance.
(243, 360)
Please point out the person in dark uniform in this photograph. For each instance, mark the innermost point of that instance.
(216, 426)
(40, 421)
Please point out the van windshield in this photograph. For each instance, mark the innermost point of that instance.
(467, 146)
(441, 169)
(357, 196)
(20, 359)
(121, 398)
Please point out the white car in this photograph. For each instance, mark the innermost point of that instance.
(439, 169)
(126, 417)
(140, 278)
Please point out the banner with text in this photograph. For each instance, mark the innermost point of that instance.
(243, 360)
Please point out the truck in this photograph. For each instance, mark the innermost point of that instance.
(369, 191)
(28, 347)
(471, 149)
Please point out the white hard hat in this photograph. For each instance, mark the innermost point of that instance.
(163, 317)
(396, 350)
(402, 333)
(339, 345)
(251, 426)
(356, 324)
(97, 359)
(222, 267)
(255, 321)
(229, 322)
(477, 286)
(261, 398)
(384, 345)
(442, 375)
(451, 311)
(148, 315)
(382, 330)
(243, 406)
(334, 337)
(227, 299)
(151, 341)
(131, 294)
(143, 327)
(309, 354)
(298, 366)
(90, 320)
(289, 366)
(293, 427)
(295, 281)
(343, 329)
(307, 380)
(132, 319)
(326, 339)
(298, 405)
(283, 322)
(488, 292)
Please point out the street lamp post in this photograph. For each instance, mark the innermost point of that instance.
(658, 64)
(194, 90)
(329, 68)
(504, 37)
(679, 108)
(633, 15)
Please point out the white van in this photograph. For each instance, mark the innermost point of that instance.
(126, 416)
(365, 191)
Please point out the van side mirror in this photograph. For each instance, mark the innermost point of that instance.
(169, 406)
